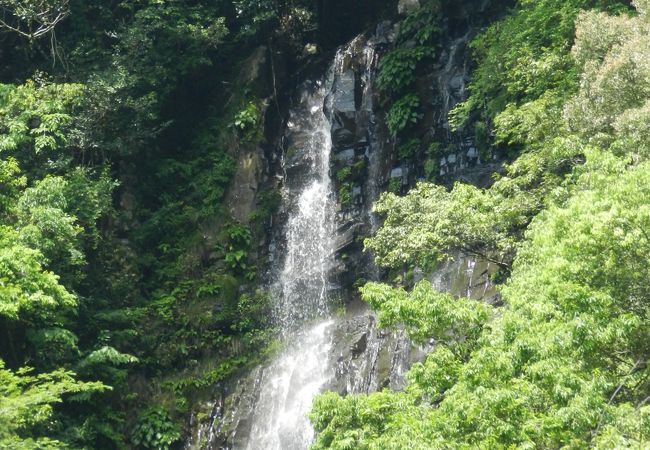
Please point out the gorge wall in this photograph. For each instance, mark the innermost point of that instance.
(332, 159)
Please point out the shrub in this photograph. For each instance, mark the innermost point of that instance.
(403, 113)
(397, 68)
(155, 430)
(246, 121)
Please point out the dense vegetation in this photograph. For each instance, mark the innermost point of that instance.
(128, 289)
(563, 86)
(125, 285)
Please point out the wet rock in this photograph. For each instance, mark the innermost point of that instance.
(360, 346)
(385, 33)
(255, 73)
(346, 236)
(225, 423)
(366, 358)
(465, 276)
(343, 95)
(345, 156)
(457, 84)
(343, 111)
(241, 195)
(343, 134)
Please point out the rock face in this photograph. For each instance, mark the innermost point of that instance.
(225, 422)
(251, 164)
(367, 359)
(243, 189)
(463, 154)
(363, 358)
(361, 149)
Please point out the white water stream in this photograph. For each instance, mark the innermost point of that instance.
(290, 383)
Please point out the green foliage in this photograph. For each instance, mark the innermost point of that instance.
(403, 113)
(421, 26)
(45, 224)
(343, 174)
(425, 312)
(431, 164)
(430, 169)
(395, 185)
(268, 202)
(253, 311)
(151, 43)
(247, 121)
(28, 292)
(35, 118)
(561, 363)
(239, 241)
(155, 430)
(53, 346)
(409, 150)
(397, 68)
(426, 224)
(102, 364)
(89, 197)
(238, 235)
(564, 363)
(294, 18)
(12, 183)
(612, 103)
(482, 138)
(27, 400)
(523, 56)
(226, 367)
(345, 194)
(347, 177)
(236, 259)
(396, 75)
(150, 93)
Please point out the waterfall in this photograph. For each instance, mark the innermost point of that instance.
(288, 387)
(302, 283)
(290, 383)
(331, 125)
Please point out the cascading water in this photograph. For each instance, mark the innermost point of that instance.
(268, 408)
(303, 281)
(288, 387)
(290, 383)
(335, 124)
